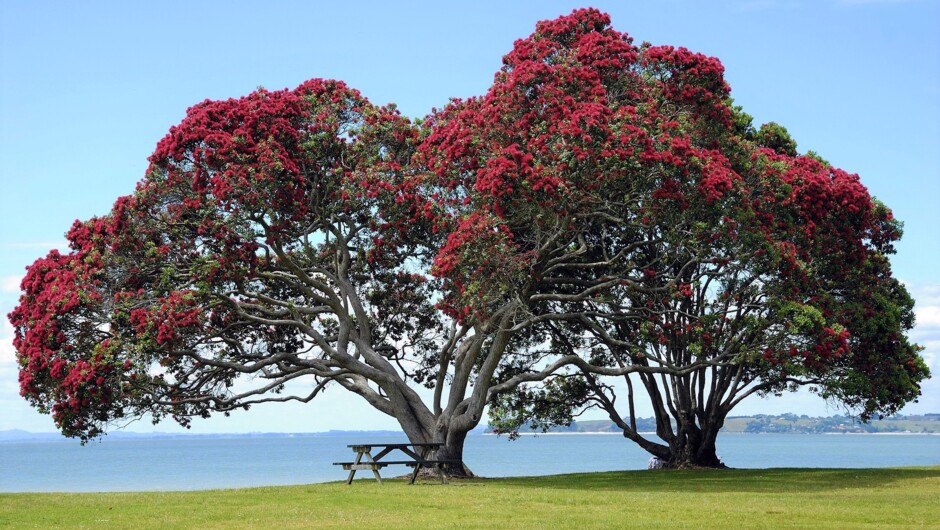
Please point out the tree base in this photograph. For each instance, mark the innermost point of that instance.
(689, 465)
(433, 474)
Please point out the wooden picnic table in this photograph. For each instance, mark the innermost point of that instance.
(415, 452)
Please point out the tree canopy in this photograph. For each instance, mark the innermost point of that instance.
(604, 212)
(721, 262)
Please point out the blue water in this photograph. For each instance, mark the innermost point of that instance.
(191, 464)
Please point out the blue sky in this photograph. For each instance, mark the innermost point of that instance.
(87, 90)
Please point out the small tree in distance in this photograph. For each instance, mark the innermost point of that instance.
(602, 211)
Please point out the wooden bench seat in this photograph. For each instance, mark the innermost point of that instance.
(379, 465)
(361, 466)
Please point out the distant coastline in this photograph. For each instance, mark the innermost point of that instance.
(775, 424)
(759, 424)
(17, 435)
(598, 433)
(906, 433)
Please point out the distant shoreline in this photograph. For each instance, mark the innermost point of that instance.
(567, 433)
(22, 437)
(902, 425)
(723, 433)
(874, 433)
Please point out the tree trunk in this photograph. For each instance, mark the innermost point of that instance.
(453, 450)
(694, 447)
(444, 433)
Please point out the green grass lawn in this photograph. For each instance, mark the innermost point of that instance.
(773, 498)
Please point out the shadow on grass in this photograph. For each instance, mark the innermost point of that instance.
(777, 480)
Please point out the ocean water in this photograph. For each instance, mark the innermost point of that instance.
(237, 462)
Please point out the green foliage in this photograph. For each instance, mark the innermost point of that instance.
(539, 409)
(776, 137)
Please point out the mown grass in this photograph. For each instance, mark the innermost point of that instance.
(773, 498)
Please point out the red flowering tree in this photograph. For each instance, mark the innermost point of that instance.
(647, 233)
(273, 249)
(601, 212)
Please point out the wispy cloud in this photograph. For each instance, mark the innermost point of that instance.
(853, 3)
(10, 284)
(928, 316)
(760, 6)
(926, 330)
(24, 245)
(927, 306)
(767, 5)
(7, 353)
(924, 293)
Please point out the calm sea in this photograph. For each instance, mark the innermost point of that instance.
(191, 464)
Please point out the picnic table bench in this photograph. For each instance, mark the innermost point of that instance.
(416, 454)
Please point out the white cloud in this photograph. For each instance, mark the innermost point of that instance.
(60, 245)
(927, 311)
(7, 353)
(773, 5)
(924, 293)
(926, 332)
(767, 5)
(10, 284)
(858, 3)
(928, 316)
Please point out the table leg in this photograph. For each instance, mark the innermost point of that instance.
(352, 472)
(375, 470)
(424, 454)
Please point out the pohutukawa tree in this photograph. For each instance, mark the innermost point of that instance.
(721, 263)
(253, 264)
(601, 212)
(275, 248)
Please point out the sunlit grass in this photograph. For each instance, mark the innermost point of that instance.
(776, 498)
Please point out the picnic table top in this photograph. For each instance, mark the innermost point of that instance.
(397, 445)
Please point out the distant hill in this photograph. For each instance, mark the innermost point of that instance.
(791, 423)
(18, 435)
(761, 423)
(784, 423)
